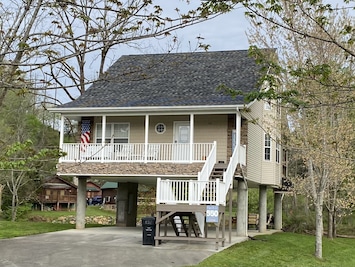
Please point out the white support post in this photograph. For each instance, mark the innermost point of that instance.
(238, 127)
(191, 193)
(103, 139)
(61, 136)
(157, 197)
(192, 123)
(218, 195)
(146, 138)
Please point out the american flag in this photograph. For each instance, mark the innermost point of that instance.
(85, 134)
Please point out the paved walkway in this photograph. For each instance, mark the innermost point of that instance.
(106, 246)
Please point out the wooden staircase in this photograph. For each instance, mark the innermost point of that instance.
(185, 223)
(218, 170)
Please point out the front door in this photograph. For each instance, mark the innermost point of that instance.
(181, 141)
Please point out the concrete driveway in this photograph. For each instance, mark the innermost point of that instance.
(106, 246)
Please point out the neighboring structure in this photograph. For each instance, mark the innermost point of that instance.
(92, 190)
(162, 120)
(57, 194)
(109, 195)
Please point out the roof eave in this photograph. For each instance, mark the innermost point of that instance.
(144, 110)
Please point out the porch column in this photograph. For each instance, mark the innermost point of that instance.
(126, 209)
(262, 208)
(192, 123)
(278, 211)
(146, 138)
(238, 126)
(61, 135)
(81, 203)
(242, 208)
(103, 139)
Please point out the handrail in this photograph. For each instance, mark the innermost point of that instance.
(238, 153)
(186, 192)
(136, 152)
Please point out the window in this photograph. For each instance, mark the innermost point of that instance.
(115, 133)
(160, 128)
(267, 147)
(267, 105)
(277, 151)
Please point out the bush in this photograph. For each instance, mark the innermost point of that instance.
(299, 223)
(21, 213)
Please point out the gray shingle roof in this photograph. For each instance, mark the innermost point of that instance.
(179, 79)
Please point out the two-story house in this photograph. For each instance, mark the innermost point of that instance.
(161, 119)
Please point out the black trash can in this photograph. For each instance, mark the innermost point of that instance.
(148, 224)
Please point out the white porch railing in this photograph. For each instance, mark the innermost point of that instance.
(187, 192)
(201, 191)
(136, 152)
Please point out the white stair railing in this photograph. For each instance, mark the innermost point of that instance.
(185, 192)
(238, 156)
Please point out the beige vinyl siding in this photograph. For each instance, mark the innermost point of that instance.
(168, 136)
(208, 128)
(136, 126)
(255, 143)
(260, 170)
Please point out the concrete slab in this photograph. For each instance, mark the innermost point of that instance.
(104, 246)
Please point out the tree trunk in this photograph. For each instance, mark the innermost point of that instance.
(1, 189)
(13, 207)
(334, 224)
(330, 223)
(319, 226)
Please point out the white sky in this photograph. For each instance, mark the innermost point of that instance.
(225, 32)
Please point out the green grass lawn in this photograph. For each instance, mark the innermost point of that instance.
(285, 250)
(14, 229)
(280, 249)
(90, 211)
(25, 226)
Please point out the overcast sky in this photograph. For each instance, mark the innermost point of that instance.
(225, 32)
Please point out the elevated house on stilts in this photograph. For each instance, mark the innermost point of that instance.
(163, 120)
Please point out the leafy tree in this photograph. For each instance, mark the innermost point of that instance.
(314, 68)
(58, 42)
(19, 123)
(20, 163)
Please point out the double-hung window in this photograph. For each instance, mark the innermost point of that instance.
(114, 133)
(277, 151)
(267, 147)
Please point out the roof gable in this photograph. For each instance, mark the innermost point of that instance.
(58, 182)
(109, 185)
(180, 79)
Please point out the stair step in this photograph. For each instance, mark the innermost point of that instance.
(181, 224)
(218, 170)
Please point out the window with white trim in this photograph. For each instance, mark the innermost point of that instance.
(267, 147)
(267, 105)
(277, 151)
(160, 128)
(115, 133)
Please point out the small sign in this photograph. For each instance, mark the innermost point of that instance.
(212, 214)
